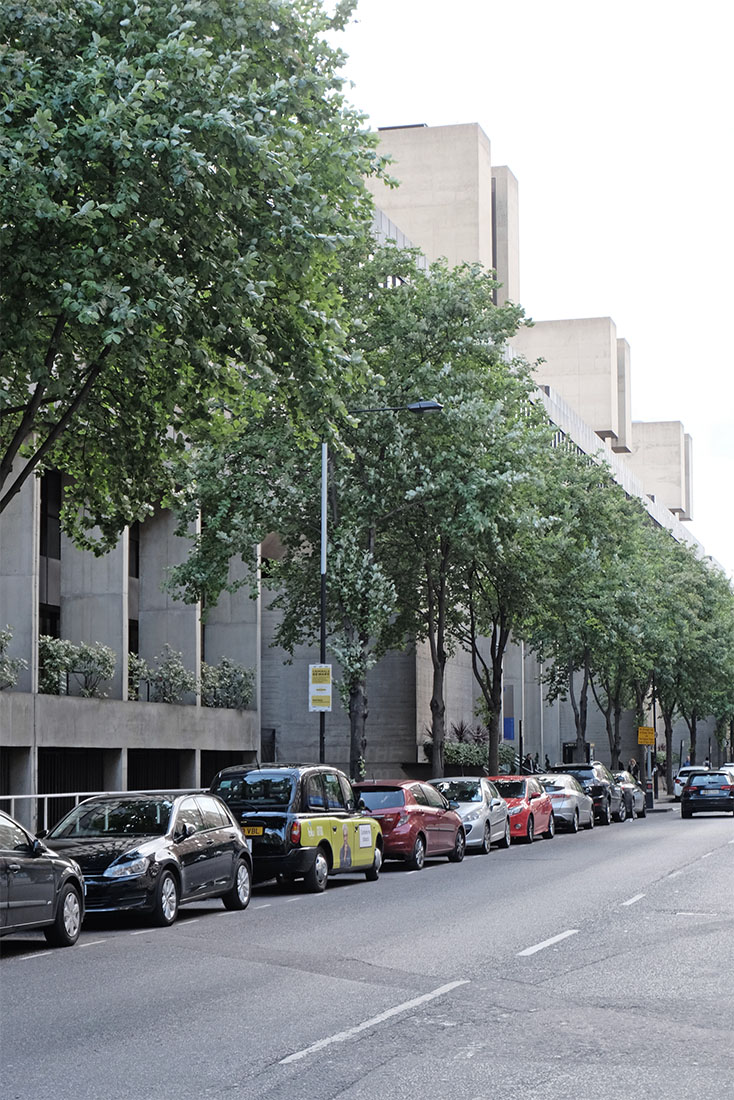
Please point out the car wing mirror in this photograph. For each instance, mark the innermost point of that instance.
(361, 805)
(38, 848)
(185, 831)
(41, 833)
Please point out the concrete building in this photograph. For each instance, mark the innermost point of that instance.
(454, 203)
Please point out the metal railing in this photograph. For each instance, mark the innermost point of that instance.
(32, 810)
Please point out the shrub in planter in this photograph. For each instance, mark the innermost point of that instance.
(91, 664)
(55, 658)
(9, 666)
(169, 680)
(227, 685)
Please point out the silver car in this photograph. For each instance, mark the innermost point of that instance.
(572, 807)
(628, 783)
(481, 807)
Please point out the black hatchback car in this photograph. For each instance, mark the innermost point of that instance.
(154, 852)
(708, 792)
(303, 821)
(38, 888)
(598, 781)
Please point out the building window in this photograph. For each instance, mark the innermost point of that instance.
(133, 553)
(49, 620)
(50, 515)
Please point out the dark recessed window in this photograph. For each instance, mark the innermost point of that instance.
(50, 513)
(133, 554)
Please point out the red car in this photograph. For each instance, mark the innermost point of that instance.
(530, 808)
(416, 820)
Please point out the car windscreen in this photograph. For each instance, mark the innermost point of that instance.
(116, 817)
(459, 790)
(382, 798)
(557, 784)
(511, 788)
(257, 790)
(710, 779)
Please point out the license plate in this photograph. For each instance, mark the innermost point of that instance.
(252, 830)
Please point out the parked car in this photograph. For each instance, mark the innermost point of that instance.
(628, 782)
(597, 781)
(708, 792)
(572, 808)
(155, 852)
(38, 887)
(481, 807)
(683, 775)
(416, 820)
(303, 822)
(529, 807)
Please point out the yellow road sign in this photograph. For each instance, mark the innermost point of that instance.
(645, 735)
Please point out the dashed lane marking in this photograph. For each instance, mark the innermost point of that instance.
(631, 901)
(342, 1036)
(548, 943)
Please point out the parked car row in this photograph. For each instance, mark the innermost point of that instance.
(153, 852)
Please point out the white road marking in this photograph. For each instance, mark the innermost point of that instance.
(342, 1036)
(294, 899)
(142, 932)
(631, 901)
(267, 905)
(548, 943)
(674, 874)
(36, 955)
(706, 855)
(91, 943)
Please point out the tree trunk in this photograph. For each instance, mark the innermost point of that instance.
(616, 763)
(580, 712)
(692, 728)
(438, 716)
(358, 712)
(668, 726)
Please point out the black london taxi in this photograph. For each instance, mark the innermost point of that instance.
(303, 821)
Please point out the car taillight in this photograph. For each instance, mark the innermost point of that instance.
(727, 787)
(402, 820)
(296, 832)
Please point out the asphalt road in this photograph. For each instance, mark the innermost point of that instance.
(589, 966)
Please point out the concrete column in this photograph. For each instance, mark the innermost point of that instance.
(162, 619)
(94, 605)
(232, 628)
(190, 767)
(115, 769)
(19, 542)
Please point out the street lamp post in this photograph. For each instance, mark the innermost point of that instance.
(415, 407)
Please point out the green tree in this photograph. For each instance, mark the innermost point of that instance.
(174, 181)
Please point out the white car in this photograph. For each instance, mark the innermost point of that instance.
(682, 777)
(481, 807)
(572, 807)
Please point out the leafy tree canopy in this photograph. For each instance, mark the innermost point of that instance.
(174, 180)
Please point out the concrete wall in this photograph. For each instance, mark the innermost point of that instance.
(506, 235)
(661, 459)
(19, 569)
(445, 203)
(579, 361)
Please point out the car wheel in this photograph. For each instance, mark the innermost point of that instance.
(621, 814)
(418, 858)
(505, 842)
(165, 909)
(486, 839)
(64, 932)
(239, 896)
(550, 832)
(643, 811)
(317, 876)
(459, 849)
(605, 818)
(591, 823)
(686, 813)
(374, 872)
(530, 835)
(575, 822)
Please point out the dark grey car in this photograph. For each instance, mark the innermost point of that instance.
(38, 887)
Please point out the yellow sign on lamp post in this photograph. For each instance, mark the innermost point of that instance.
(319, 687)
(645, 735)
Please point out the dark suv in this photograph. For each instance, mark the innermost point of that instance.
(303, 822)
(600, 784)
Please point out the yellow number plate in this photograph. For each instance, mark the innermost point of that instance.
(252, 830)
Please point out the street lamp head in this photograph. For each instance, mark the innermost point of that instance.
(424, 406)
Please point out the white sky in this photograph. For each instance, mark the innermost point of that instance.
(617, 120)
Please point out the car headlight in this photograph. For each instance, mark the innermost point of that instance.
(515, 810)
(473, 815)
(132, 864)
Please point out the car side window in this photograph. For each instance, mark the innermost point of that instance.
(314, 799)
(12, 838)
(434, 797)
(188, 814)
(347, 793)
(213, 814)
(334, 797)
(418, 793)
